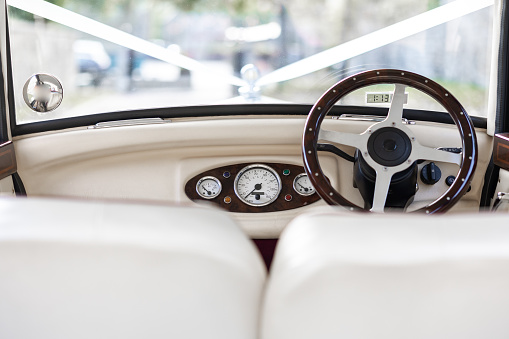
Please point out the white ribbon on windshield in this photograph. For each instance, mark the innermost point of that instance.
(371, 41)
(81, 23)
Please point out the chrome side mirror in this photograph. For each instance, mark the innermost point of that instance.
(43, 93)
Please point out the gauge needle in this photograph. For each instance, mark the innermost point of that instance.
(305, 188)
(257, 187)
(208, 192)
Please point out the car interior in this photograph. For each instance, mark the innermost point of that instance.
(375, 209)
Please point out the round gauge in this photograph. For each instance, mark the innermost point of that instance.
(208, 187)
(302, 185)
(257, 185)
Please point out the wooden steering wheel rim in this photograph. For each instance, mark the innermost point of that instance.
(390, 76)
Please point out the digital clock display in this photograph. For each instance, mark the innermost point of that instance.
(378, 98)
(381, 98)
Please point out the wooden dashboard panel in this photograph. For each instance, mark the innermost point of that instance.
(501, 150)
(227, 174)
(7, 159)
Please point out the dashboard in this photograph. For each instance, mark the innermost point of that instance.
(163, 163)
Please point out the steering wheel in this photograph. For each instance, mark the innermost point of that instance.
(389, 146)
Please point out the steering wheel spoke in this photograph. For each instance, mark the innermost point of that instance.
(395, 115)
(347, 139)
(383, 181)
(434, 154)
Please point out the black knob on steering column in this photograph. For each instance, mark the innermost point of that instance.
(430, 174)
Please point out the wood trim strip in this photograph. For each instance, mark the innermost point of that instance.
(501, 150)
(7, 159)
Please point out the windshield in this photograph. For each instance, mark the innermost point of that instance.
(121, 55)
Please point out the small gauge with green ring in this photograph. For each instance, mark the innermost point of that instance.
(302, 185)
(208, 187)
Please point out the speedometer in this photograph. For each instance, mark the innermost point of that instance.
(257, 185)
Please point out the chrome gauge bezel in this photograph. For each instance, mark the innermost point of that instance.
(216, 180)
(297, 177)
(250, 167)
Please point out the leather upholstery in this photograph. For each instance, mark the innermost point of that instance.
(75, 269)
(338, 275)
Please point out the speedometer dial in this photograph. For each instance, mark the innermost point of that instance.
(257, 185)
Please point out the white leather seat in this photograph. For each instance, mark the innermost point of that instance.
(338, 275)
(74, 269)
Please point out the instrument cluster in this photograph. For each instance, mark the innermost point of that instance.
(253, 187)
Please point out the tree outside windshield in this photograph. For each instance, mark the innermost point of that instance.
(205, 45)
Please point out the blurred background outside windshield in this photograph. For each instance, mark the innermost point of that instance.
(99, 76)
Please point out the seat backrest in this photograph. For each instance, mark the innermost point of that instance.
(338, 275)
(74, 269)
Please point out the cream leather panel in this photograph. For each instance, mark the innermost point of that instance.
(7, 187)
(338, 275)
(153, 162)
(78, 269)
(502, 187)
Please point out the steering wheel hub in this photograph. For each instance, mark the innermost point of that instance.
(389, 146)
